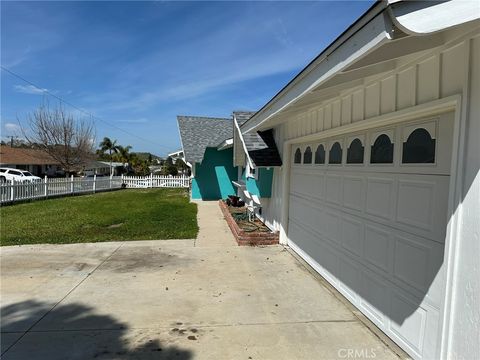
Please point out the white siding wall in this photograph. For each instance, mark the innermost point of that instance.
(465, 323)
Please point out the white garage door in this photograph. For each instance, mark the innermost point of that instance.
(369, 210)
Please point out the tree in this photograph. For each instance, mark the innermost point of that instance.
(111, 146)
(124, 154)
(68, 140)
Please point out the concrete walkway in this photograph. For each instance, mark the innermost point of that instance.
(173, 300)
(214, 230)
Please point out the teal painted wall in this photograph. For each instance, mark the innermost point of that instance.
(213, 177)
(263, 186)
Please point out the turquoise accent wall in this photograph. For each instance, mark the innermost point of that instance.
(263, 186)
(214, 176)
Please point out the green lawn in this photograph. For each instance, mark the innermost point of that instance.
(110, 216)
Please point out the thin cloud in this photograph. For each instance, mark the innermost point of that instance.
(29, 89)
(12, 128)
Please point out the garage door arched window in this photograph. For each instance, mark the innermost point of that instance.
(298, 156)
(419, 148)
(320, 155)
(307, 155)
(382, 150)
(335, 154)
(355, 152)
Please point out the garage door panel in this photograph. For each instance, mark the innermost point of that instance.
(377, 245)
(415, 203)
(411, 262)
(321, 252)
(408, 321)
(352, 235)
(354, 192)
(308, 183)
(375, 295)
(349, 277)
(333, 189)
(380, 195)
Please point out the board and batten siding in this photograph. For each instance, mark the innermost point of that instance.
(436, 75)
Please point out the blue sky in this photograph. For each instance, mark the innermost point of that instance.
(139, 64)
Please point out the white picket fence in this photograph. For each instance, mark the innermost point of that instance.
(155, 181)
(14, 191)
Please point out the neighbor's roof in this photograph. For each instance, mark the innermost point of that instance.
(24, 156)
(198, 132)
(243, 116)
(96, 164)
(262, 148)
(260, 145)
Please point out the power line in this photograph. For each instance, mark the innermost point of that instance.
(80, 109)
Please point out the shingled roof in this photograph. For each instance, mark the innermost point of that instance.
(260, 145)
(198, 132)
(25, 156)
(242, 116)
(262, 149)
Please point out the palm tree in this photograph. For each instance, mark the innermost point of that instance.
(124, 154)
(111, 146)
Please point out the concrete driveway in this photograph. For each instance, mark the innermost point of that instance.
(178, 299)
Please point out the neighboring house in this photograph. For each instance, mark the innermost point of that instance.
(368, 164)
(379, 185)
(155, 169)
(176, 155)
(102, 168)
(211, 163)
(37, 162)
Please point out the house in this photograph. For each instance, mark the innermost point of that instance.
(176, 155)
(378, 187)
(209, 158)
(367, 163)
(104, 168)
(36, 161)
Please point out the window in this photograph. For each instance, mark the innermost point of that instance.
(382, 150)
(320, 155)
(335, 155)
(307, 155)
(355, 152)
(298, 157)
(419, 148)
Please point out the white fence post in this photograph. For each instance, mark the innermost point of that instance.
(151, 180)
(94, 182)
(110, 181)
(12, 189)
(72, 187)
(46, 187)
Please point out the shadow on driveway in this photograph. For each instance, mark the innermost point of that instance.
(22, 338)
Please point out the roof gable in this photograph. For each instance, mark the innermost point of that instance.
(198, 132)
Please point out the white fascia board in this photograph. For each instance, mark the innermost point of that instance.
(368, 38)
(240, 136)
(225, 144)
(426, 17)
